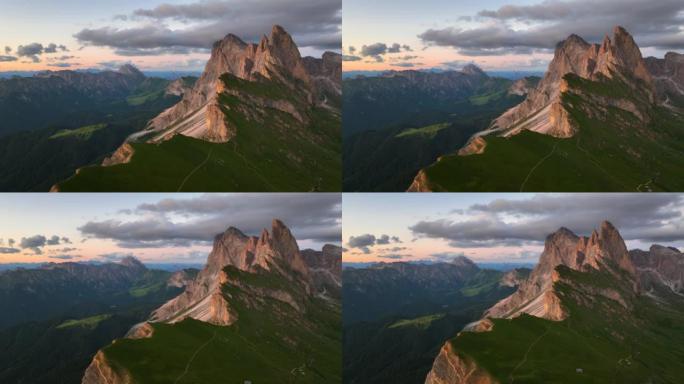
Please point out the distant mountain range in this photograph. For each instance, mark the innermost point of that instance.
(590, 311)
(259, 311)
(397, 315)
(601, 119)
(55, 122)
(401, 121)
(260, 118)
(55, 317)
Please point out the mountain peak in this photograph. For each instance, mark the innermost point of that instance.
(130, 70)
(472, 69)
(603, 250)
(543, 110)
(573, 40)
(131, 262)
(463, 261)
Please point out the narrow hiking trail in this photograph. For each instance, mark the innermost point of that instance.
(522, 186)
(200, 165)
(524, 360)
(192, 358)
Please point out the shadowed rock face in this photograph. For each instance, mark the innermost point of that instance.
(668, 75)
(536, 296)
(659, 267)
(543, 111)
(325, 268)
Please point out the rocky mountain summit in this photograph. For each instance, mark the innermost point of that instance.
(543, 110)
(243, 277)
(275, 58)
(574, 274)
(605, 97)
(203, 298)
(603, 249)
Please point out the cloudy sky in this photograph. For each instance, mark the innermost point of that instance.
(496, 34)
(175, 228)
(498, 227)
(152, 34)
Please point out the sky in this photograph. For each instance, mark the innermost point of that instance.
(497, 228)
(165, 35)
(156, 228)
(497, 35)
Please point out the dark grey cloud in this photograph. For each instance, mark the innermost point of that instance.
(54, 240)
(5, 250)
(66, 240)
(352, 49)
(62, 65)
(8, 50)
(653, 24)
(54, 48)
(36, 241)
(393, 256)
(64, 257)
(365, 240)
(374, 49)
(159, 51)
(30, 50)
(11, 242)
(314, 217)
(351, 58)
(312, 24)
(514, 222)
(394, 48)
(405, 64)
(4, 59)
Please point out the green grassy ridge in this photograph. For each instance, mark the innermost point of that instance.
(610, 153)
(88, 322)
(270, 342)
(277, 153)
(608, 342)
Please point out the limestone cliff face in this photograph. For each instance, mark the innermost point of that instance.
(660, 267)
(543, 110)
(203, 299)
(326, 270)
(536, 296)
(668, 75)
(450, 367)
